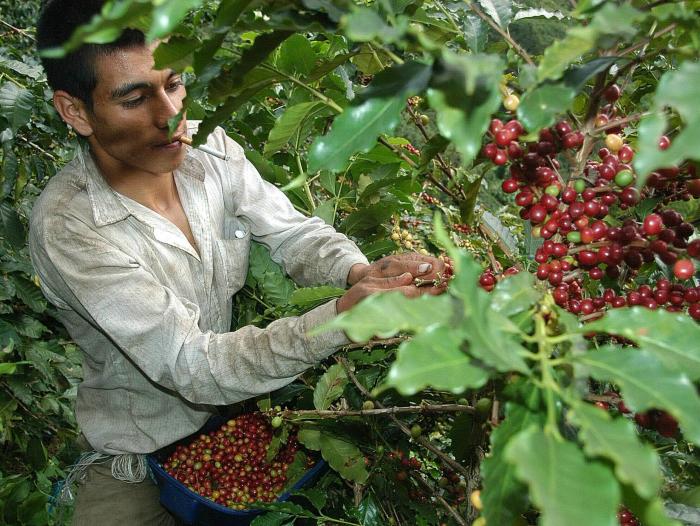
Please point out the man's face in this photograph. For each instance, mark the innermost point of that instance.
(132, 103)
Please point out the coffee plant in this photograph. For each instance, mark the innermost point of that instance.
(547, 151)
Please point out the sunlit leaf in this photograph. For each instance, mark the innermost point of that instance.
(560, 479)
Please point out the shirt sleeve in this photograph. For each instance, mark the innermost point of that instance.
(310, 251)
(159, 331)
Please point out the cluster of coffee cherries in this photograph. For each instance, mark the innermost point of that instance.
(570, 218)
(229, 466)
(654, 419)
(627, 518)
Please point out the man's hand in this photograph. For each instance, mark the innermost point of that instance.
(392, 273)
(426, 268)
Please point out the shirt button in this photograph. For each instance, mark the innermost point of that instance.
(239, 234)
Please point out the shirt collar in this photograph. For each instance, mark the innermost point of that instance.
(107, 208)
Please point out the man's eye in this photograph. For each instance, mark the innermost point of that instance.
(132, 103)
(175, 85)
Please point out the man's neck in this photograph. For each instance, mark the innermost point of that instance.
(155, 191)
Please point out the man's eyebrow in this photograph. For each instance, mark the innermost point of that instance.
(124, 90)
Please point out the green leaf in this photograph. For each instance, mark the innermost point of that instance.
(515, 294)
(315, 496)
(368, 512)
(12, 228)
(612, 22)
(485, 329)
(330, 387)
(636, 464)
(645, 383)
(344, 457)
(355, 130)
(690, 210)
(9, 368)
(504, 496)
(176, 53)
(291, 123)
(296, 56)
(383, 315)
(167, 15)
(402, 80)
(365, 25)
(106, 27)
(499, 233)
(29, 293)
(536, 12)
(36, 454)
(501, 11)
(229, 80)
(434, 358)
(540, 107)
(475, 33)
(368, 218)
(272, 518)
(672, 337)
(464, 94)
(672, 91)
(564, 485)
(15, 105)
(311, 296)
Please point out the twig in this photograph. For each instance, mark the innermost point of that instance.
(440, 499)
(376, 343)
(440, 161)
(451, 463)
(384, 411)
(412, 164)
(644, 42)
(619, 122)
(472, 5)
(50, 156)
(17, 30)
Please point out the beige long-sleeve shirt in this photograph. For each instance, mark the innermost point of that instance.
(152, 316)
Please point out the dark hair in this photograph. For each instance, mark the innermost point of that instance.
(76, 73)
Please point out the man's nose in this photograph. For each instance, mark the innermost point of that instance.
(169, 105)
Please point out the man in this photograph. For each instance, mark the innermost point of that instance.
(141, 242)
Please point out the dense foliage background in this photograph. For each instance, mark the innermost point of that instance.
(372, 116)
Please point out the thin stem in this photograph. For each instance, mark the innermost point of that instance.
(457, 517)
(393, 56)
(320, 96)
(17, 30)
(412, 164)
(472, 5)
(449, 462)
(307, 189)
(619, 122)
(385, 411)
(30, 143)
(448, 15)
(389, 342)
(644, 42)
(547, 378)
(440, 163)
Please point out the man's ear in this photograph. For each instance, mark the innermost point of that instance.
(73, 111)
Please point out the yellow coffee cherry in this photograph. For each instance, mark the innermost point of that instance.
(424, 252)
(479, 522)
(395, 236)
(475, 499)
(511, 102)
(408, 237)
(408, 245)
(614, 142)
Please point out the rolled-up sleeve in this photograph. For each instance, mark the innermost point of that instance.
(159, 331)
